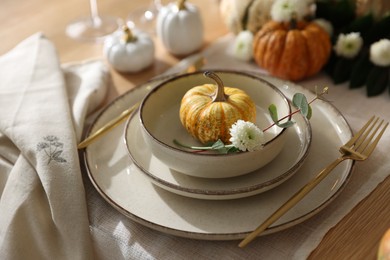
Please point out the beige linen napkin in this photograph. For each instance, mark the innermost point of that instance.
(43, 213)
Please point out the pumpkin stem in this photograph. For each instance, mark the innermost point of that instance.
(180, 5)
(219, 95)
(128, 35)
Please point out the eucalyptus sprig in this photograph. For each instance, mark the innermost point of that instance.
(218, 146)
(300, 102)
(246, 134)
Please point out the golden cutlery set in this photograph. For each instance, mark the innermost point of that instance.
(358, 148)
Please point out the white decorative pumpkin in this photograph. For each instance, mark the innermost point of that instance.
(241, 15)
(129, 51)
(180, 28)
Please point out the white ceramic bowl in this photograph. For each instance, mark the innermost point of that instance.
(160, 125)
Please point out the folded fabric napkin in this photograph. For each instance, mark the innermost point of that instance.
(43, 211)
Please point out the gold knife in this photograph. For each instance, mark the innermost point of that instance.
(196, 65)
(113, 123)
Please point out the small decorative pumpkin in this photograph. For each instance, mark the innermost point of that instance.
(129, 52)
(291, 50)
(180, 28)
(208, 111)
(241, 15)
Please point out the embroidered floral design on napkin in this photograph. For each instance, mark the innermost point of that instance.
(52, 148)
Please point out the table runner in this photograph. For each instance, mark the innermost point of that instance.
(116, 237)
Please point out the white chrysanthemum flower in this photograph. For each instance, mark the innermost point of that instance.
(243, 46)
(246, 136)
(380, 53)
(348, 45)
(284, 10)
(325, 24)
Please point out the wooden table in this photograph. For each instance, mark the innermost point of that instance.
(355, 237)
(21, 18)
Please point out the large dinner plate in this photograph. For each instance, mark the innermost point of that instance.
(128, 190)
(273, 174)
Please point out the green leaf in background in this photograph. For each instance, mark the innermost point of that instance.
(379, 31)
(329, 66)
(338, 12)
(362, 24)
(360, 70)
(342, 70)
(377, 80)
(300, 102)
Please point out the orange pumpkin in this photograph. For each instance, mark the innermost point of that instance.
(293, 50)
(208, 111)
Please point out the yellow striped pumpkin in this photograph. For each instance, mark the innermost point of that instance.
(208, 111)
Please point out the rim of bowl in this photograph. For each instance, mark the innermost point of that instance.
(218, 193)
(202, 72)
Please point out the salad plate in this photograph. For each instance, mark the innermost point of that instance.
(279, 170)
(120, 182)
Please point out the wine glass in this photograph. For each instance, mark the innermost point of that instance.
(94, 27)
(144, 18)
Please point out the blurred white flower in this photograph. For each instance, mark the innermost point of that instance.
(243, 46)
(380, 53)
(325, 24)
(284, 10)
(246, 136)
(348, 45)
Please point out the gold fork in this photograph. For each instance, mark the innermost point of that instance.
(359, 148)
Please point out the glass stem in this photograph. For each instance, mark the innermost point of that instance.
(95, 14)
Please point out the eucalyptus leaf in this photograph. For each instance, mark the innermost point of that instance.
(273, 111)
(218, 145)
(300, 102)
(286, 124)
(309, 113)
(232, 149)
